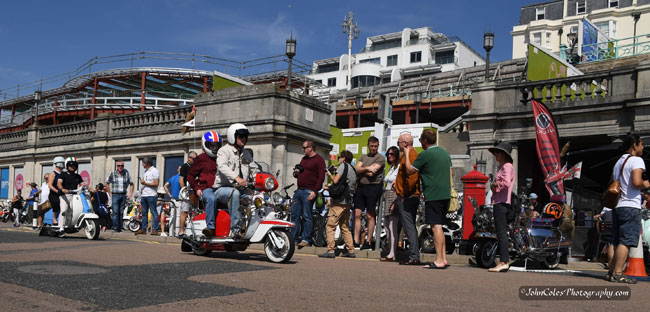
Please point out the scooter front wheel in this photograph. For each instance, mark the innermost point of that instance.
(92, 229)
(134, 226)
(487, 253)
(551, 262)
(279, 246)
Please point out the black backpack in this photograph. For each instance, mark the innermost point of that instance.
(337, 190)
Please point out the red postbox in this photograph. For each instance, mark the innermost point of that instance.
(475, 188)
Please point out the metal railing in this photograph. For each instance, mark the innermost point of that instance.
(610, 50)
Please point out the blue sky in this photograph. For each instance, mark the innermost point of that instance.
(43, 38)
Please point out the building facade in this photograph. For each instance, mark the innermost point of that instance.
(395, 56)
(548, 23)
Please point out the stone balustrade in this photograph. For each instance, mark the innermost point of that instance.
(73, 132)
(13, 140)
(152, 120)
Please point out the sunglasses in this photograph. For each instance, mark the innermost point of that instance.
(391, 154)
(120, 165)
(306, 147)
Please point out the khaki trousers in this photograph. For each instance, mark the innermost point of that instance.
(339, 214)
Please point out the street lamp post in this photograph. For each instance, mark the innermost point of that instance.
(359, 107)
(488, 44)
(37, 100)
(418, 101)
(290, 52)
(352, 30)
(636, 16)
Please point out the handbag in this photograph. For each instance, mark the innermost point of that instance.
(453, 201)
(613, 191)
(337, 190)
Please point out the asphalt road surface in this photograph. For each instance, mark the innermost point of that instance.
(75, 274)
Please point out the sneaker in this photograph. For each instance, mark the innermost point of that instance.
(366, 246)
(348, 254)
(61, 234)
(208, 232)
(163, 234)
(103, 229)
(327, 255)
(356, 246)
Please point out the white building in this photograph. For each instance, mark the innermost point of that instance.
(548, 23)
(392, 57)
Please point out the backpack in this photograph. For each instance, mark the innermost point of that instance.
(337, 190)
(319, 202)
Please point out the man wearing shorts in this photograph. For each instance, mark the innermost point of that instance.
(370, 173)
(434, 167)
(183, 182)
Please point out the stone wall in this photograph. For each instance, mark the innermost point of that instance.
(278, 122)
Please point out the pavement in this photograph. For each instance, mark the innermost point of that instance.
(147, 273)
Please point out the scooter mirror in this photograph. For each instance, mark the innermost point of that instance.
(247, 156)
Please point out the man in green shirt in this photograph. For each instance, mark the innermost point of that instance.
(434, 167)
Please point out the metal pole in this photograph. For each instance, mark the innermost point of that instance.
(349, 79)
(289, 75)
(487, 66)
(35, 211)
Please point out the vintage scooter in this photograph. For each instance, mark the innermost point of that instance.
(80, 216)
(538, 239)
(263, 220)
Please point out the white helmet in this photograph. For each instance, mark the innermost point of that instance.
(236, 129)
(211, 142)
(59, 162)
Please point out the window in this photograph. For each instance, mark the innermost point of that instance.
(416, 57)
(328, 68)
(540, 13)
(608, 28)
(613, 3)
(537, 38)
(581, 7)
(171, 167)
(391, 60)
(445, 57)
(548, 39)
(372, 60)
(364, 81)
(331, 82)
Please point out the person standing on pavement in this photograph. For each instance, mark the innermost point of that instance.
(29, 205)
(172, 186)
(149, 182)
(339, 210)
(116, 187)
(391, 217)
(45, 193)
(183, 182)
(501, 199)
(626, 216)
(99, 200)
(407, 187)
(434, 168)
(370, 173)
(17, 207)
(310, 174)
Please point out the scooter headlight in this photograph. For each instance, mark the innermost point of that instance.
(277, 198)
(269, 184)
(258, 201)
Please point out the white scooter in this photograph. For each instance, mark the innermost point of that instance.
(79, 216)
(262, 219)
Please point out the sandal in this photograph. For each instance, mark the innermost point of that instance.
(622, 279)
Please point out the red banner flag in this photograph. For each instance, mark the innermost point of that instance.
(548, 150)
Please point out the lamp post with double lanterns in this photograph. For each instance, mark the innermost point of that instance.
(291, 52)
(488, 44)
(572, 40)
(418, 101)
(359, 107)
(37, 100)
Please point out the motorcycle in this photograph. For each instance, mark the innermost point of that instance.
(80, 216)
(529, 238)
(263, 220)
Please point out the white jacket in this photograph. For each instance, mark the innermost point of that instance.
(228, 164)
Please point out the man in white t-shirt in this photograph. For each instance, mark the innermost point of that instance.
(149, 186)
(626, 216)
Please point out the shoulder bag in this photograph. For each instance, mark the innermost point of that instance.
(613, 191)
(337, 190)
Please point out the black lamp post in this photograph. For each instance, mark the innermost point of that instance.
(37, 100)
(291, 52)
(418, 101)
(488, 44)
(359, 107)
(636, 16)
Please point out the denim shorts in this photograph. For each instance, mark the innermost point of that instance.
(627, 226)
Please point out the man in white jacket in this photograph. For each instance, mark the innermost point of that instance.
(232, 173)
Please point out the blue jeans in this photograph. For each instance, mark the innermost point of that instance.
(231, 197)
(119, 201)
(149, 204)
(302, 207)
(209, 198)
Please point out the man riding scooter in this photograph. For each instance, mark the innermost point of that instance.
(68, 181)
(232, 173)
(202, 173)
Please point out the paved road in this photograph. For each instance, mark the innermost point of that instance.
(43, 273)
